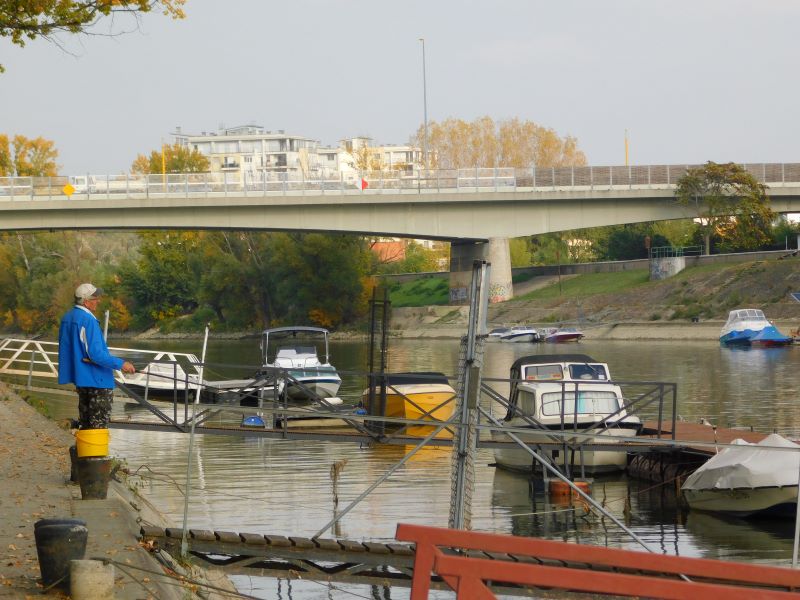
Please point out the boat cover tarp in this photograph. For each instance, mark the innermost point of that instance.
(748, 465)
(769, 335)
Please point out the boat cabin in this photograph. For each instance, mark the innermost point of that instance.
(288, 347)
(572, 387)
(737, 318)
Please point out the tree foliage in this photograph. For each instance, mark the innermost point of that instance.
(27, 157)
(455, 143)
(26, 20)
(175, 158)
(733, 206)
(247, 279)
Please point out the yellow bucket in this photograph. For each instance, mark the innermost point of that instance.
(92, 442)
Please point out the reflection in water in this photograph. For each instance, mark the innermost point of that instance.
(285, 487)
(729, 538)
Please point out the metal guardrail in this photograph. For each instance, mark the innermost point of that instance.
(476, 179)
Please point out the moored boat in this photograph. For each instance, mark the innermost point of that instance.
(296, 350)
(748, 479)
(749, 327)
(559, 335)
(423, 396)
(564, 393)
(520, 333)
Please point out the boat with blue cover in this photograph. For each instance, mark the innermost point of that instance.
(749, 327)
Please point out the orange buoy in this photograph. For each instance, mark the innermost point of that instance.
(560, 489)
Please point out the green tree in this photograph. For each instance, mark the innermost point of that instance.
(319, 278)
(162, 282)
(785, 233)
(732, 205)
(519, 250)
(174, 159)
(549, 249)
(22, 21)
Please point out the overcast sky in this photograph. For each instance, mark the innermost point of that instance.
(690, 80)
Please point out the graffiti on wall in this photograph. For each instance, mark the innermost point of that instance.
(458, 295)
(499, 292)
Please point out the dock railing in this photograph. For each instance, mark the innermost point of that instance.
(460, 559)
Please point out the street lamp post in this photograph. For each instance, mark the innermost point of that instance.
(424, 108)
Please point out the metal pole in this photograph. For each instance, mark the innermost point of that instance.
(464, 445)
(796, 523)
(424, 108)
(184, 542)
(105, 327)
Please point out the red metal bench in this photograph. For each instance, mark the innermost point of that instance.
(567, 566)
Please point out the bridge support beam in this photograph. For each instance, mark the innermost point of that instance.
(462, 255)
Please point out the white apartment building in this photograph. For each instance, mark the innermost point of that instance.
(256, 154)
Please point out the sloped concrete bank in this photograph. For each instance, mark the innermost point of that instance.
(34, 474)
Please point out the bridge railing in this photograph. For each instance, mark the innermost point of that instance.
(473, 179)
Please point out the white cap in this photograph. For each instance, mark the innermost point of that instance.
(85, 291)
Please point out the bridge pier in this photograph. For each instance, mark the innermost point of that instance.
(463, 254)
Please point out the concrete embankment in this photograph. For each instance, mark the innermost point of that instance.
(34, 476)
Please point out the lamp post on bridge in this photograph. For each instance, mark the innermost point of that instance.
(424, 108)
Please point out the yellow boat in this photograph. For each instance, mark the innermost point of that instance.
(418, 396)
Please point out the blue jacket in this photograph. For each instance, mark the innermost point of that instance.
(79, 338)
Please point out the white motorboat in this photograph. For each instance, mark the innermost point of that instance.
(296, 351)
(496, 333)
(172, 379)
(749, 327)
(520, 333)
(559, 335)
(747, 479)
(565, 393)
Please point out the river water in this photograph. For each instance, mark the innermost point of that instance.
(285, 487)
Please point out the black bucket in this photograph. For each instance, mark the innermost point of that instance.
(93, 475)
(73, 461)
(58, 541)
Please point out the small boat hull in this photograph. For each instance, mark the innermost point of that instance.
(517, 459)
(745, 502)
(418, 401)
(520, 338)
(313, 388)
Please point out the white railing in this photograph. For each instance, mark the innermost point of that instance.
(477, 179)
(34, 358)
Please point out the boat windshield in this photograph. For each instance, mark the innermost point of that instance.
(543, 372)
(746, 314)
(596, 372)
(589, 402)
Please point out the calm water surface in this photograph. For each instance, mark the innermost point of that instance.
(285, 487)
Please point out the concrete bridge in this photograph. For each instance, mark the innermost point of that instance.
(468, 207)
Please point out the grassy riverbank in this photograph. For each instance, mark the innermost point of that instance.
(627, 305)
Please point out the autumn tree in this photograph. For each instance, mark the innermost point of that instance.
(176, 158)
(25, 21)
(25, 157)
(733, 206)
(455, 143)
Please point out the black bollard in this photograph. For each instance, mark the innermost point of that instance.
(94, 473)
(58, 541)
(73, 461)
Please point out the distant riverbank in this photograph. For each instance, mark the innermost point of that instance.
(633, 331)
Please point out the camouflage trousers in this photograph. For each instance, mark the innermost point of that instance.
(94, 407)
